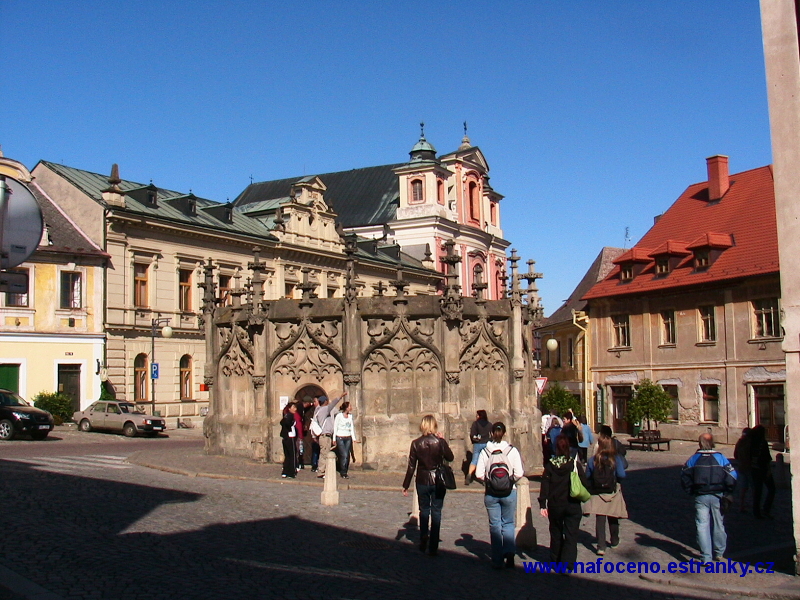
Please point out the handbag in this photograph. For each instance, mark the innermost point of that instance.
(445, 478)
(576, 488)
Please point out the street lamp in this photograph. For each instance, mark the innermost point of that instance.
(552, 344)
(166, 331)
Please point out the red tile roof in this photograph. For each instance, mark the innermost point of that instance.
(742, 224)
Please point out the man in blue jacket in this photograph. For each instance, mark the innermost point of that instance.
(709, 476)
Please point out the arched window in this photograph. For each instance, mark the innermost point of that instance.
(140, 378)
(474, 206)
(440, 191)
(416, 191)
(493, 213)
(186, 377)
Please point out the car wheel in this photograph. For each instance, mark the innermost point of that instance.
(39, 435)
(85, 425)
(6, 430)
(129, 430)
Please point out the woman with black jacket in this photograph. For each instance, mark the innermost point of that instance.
(480, 433)
(428, 452)
(288, 435)
(563, 511)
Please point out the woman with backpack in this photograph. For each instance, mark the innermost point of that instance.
(426, 454)
(603, 472)
(499, 468)
(558, 506)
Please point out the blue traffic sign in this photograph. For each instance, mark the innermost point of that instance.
(154, 371)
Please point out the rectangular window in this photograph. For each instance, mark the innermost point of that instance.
(701, 260)
(710, 403)
(18, 300)
(570, 352)
(767, 317)
(668, 327)
(185, 292)
(225, 289)
(140, 299)
(708, 331)
(558, 357)
(289, 290)
(672, 390)
(626, 272)
(622, 334)
(71, 290)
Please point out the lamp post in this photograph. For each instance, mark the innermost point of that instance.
(166, 331)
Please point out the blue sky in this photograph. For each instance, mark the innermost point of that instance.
(594, 116)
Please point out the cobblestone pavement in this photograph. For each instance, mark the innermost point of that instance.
(144, 533)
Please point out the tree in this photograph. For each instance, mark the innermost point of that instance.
(649, 402)
(560, 400)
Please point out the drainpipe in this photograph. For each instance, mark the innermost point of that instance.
(579, 315)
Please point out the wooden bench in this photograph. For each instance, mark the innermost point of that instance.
(647, 439)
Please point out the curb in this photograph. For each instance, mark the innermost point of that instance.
(779, 592)
(341, 485)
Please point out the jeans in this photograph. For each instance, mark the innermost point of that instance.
(502, 513)
(430, 508)
(343, 446)
(707, 513)
(476, 452)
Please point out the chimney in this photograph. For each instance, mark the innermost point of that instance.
(718, 179)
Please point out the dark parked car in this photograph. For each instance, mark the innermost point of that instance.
(17, 416)
(118, 416)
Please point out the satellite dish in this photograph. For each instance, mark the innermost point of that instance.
(21, 223)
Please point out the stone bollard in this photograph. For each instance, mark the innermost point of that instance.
(524, 532)
(330, 496)
(413, 518)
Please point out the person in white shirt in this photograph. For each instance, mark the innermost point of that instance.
(344, 436)
(499, 468)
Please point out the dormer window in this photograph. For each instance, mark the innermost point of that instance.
(662, 266)
(626, 272)
(701, 259)
(152, 197)
(417, 194)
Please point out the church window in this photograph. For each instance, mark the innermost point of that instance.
(416, 191)
(474, 206)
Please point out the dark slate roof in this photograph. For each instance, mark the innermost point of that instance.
(64, 235)
(367, 196)
(601, 267)
(93, 184)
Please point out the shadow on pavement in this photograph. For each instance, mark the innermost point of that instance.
(68, 534)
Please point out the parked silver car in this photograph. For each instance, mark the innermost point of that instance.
(118, 416)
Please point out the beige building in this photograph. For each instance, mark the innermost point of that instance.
(158, 241)
(695, 306)
(568, 365)
(52, 338)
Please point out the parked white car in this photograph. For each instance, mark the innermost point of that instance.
(118, 416)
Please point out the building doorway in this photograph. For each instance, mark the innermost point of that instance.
(620, 396)
(9, 378)
(307, 392)
(69, 383)
(770, 410)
